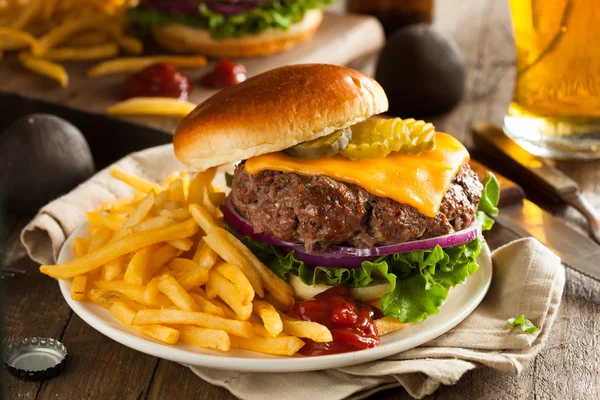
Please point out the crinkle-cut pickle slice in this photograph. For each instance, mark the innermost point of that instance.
(377, 138)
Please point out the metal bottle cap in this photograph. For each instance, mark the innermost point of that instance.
(35, 358)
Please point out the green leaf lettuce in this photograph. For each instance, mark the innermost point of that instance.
(525, 324)
(279, 14)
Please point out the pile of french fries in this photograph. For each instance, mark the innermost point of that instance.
(161, 262)
(46, 32)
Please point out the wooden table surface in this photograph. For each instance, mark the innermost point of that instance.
(567, 368)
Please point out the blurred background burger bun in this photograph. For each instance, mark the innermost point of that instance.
(180, 38)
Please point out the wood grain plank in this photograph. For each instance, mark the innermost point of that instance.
(189, 386)
(99, 368)
(33, 306)
(8, 223)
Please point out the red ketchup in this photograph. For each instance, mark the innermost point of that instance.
(350, 323)
(157, 80)
(226, 73)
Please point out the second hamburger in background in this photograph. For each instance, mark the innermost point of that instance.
(221, 28)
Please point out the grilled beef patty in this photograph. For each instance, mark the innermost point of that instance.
(320, 211)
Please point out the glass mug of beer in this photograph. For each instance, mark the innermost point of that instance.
(555, 111)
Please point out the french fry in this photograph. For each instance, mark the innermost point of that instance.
(84, 39)
(138, 215)
(185, 181)
(131, 45)
(205, 256)
(80, 246)
(203, 320)
(27, 15)
(67, 29)
(150, 224)
(107, 50)
(217, 198)
(106, 298)
(135, 182)
(270, 317)
(228, 252)
(276, 286)
(229, 313)
(45, 68)
(207, 202)
(198, 183)
(151, 290)
(161, 106)
(172, 205)
(234, 274)
(134, 64)
(98, 236)
(119, 248)
(206, 306)
(78, 287)
(192, 279)
(109, 220)
(203, 217)
(386, 325)
(175, 190)
(306, 329)
(123, 313)
(181, 244)
(171, 178)
(272, 300)
(178, 214)
(17, 36)
(161, 257)
(134, 292)
(113, 269)
(162, 199)
(159, 332)
(48, 9)
(118, 205)
(228, 293)
(211, 289)
(140, 261)
(280, 346)
(205, 338)
(178, 296)
(182, 264)
(260, 330)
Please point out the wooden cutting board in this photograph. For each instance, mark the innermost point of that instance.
(340, 40)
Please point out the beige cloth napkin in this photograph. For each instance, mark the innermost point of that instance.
(528, 279)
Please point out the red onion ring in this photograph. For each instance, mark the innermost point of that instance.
(345, 256)
(220, 7)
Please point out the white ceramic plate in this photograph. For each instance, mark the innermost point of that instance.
(460, 303)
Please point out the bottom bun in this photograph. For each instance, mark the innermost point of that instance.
(185, 39)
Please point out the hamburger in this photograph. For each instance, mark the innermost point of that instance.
(326, 195)
(229, 28)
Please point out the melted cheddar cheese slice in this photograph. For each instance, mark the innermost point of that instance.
(420, 180)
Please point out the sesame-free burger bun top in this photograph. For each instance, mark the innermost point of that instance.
(274, 111)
